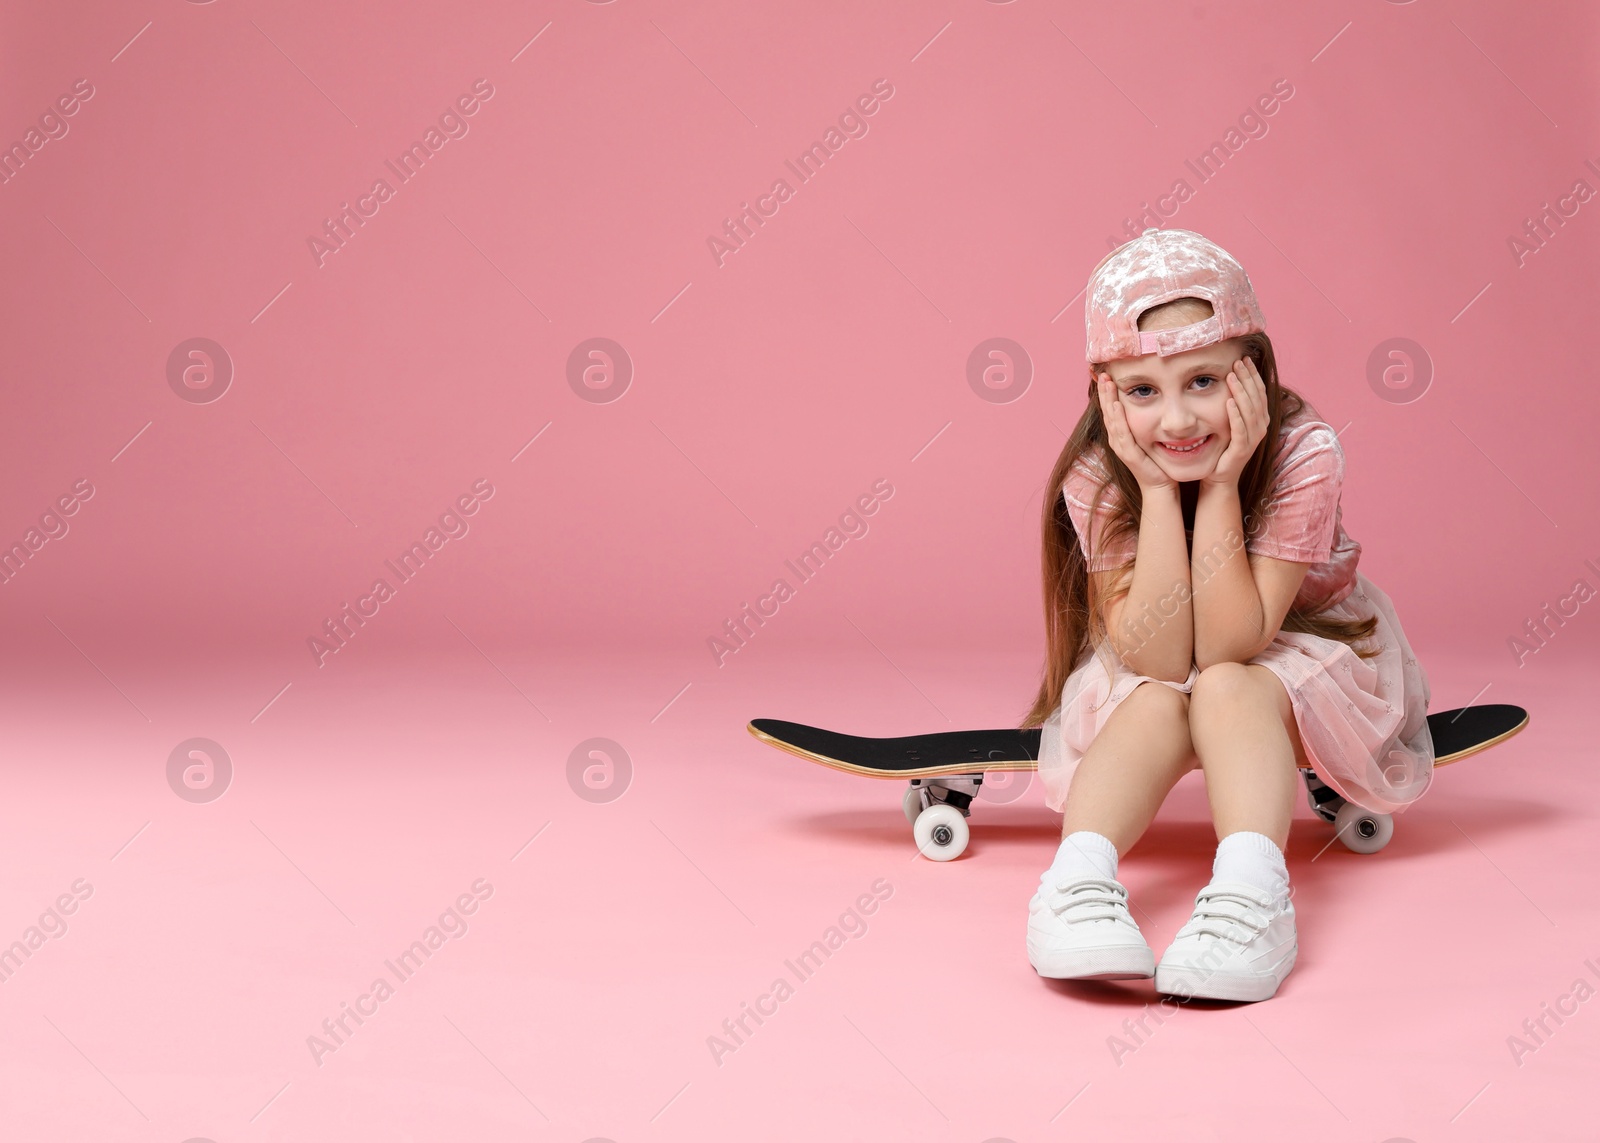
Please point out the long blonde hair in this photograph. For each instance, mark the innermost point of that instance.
(1073, 618)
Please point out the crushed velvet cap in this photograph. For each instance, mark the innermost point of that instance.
(1156, 267)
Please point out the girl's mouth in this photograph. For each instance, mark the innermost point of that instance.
(1194, 447)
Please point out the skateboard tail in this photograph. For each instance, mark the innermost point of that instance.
(891, 759)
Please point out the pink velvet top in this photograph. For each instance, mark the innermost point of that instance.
(1301, 518)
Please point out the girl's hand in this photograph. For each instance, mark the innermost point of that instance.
(1150, 475)
(1247, 422)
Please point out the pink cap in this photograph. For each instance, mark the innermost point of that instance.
(1156, 267)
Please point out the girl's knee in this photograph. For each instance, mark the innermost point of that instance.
(1162, 705)
(1223, 682)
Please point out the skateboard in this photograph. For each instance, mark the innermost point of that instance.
(946, 769)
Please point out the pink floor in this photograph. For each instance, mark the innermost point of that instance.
(608, 941)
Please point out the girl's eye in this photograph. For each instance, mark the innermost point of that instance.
(1134, 391)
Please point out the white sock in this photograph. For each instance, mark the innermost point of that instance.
(1255, 859)
(1083, 853)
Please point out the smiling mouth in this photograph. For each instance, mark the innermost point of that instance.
(1194, 447)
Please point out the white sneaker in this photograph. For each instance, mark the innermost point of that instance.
(1080, 929)
(1237, 946)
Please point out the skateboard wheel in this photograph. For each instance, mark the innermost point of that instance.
(912, 803)
(941, 833)
(1361, 830)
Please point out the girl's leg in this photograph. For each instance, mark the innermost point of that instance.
(1241, 942)
(1135, 759)
(1242, 725)
(1079, 925)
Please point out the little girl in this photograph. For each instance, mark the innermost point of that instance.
(1203, 610)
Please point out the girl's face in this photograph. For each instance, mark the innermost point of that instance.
(1179, 401)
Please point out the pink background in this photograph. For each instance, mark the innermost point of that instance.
(767, 395)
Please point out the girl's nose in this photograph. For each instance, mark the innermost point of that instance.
(1178, 424)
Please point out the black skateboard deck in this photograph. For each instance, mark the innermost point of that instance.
(946, 769)
(1456, 734)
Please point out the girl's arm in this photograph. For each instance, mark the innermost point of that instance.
(1152, 627)
(1228, 618)
(1258, 586)
(1234, 620)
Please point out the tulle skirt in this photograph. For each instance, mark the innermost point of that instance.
(1363, 722)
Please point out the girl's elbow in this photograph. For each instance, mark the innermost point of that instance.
(1153, 669)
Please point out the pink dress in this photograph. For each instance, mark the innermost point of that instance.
(1363, 722)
